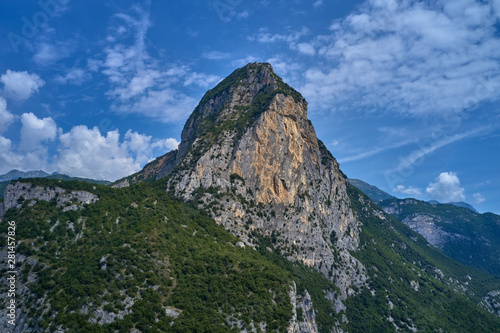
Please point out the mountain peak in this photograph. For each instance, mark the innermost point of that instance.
(250, 156)
(373, 192)
(457, 204)
(261, 72)
(235, 103)
(15, 174)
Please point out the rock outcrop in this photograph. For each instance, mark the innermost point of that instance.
(251, 158)
(16, 194)
(304, 318)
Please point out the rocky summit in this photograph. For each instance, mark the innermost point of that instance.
(250, 226)
(250, 156)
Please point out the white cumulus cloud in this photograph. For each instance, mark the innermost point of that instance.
(8, 159)
(35, 131)
(166, 144)
(306, 48)
(410, 190)
(6, 118)
(82, 152)
(20, 85)
(87, 153)
(142, 146)
(446, 188)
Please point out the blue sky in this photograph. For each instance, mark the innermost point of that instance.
(405, 94)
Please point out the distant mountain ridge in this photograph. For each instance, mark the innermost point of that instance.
(456, 228)
(373, 192)
(457, 204)
(15, 174)
(377, 195)
(460, 232)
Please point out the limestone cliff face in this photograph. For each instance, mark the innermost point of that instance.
(250, 156)
(17, 193)
(302, 304)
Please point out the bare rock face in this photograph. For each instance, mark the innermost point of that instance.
(426, 224)
(491, 302)
(304, 318)
(250, 156)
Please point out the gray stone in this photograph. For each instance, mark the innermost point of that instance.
(67, 200)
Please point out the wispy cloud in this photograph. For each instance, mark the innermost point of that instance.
(291, 38)
(75, 76)
(216, 55)
(243, 61)
(318, 3)
(423, 151)
(47, 53)
(407, 57)
(140, 83)
(227, 10)
(375, 151)
(478, 198)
